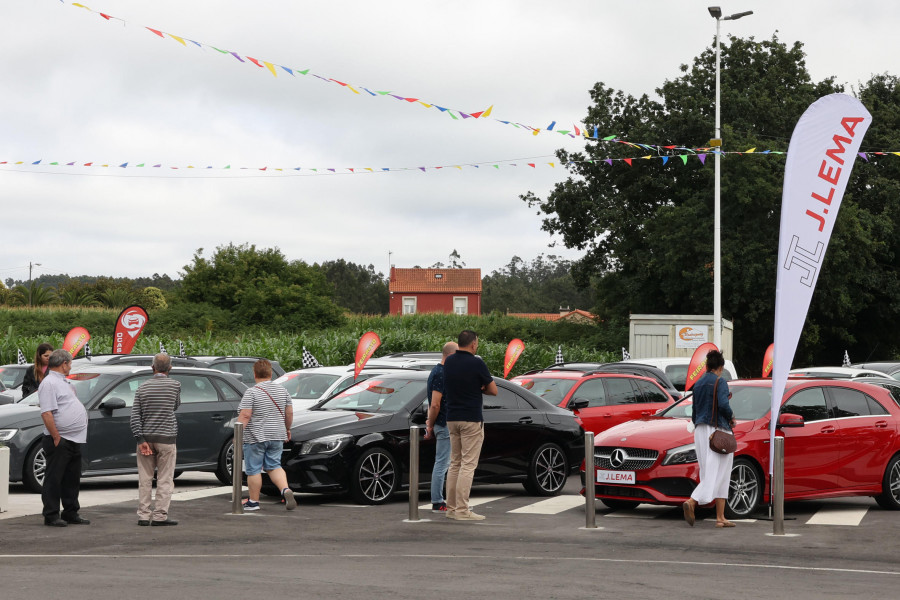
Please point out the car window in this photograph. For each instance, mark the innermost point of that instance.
(376, 395)
(593, 391)
(678, 375)
(849, 403)
(12, 377)
(504, 400)
(875, 407)
(221, 367)
(196, 388)
(126, 389)
(651, 392)
(347, 382)
(551, 389)
(809, 403)
(85, 384)
(620, 391)
(245, 370)
(893, 390)
(229, 393)
(310, 386)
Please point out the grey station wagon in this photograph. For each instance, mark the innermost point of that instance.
(209, 407)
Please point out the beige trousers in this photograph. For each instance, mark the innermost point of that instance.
(163, 462)
(466, 438)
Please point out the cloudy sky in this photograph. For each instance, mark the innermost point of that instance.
(76, 87)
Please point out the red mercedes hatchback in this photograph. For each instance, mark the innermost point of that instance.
(598, 400)
(841, 438)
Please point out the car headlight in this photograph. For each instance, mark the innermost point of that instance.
(7, 434)
(681, 455)
(328, 444)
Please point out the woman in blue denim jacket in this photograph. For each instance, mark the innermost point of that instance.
(715, 468)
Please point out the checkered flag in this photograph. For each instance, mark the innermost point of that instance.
(309, 360)
(162, 348)
(559, 356)
(181, 349)
(846, 362)
(20, 358)
(87, 349)
(625, 355)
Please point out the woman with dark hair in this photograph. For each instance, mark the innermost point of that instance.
(35, 375)
(715, 468)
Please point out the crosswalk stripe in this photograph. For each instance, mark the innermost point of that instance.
(472, 501)
(850, 515)
(551, 506)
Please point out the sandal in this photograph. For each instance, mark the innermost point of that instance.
(724, 524)
(688, 509)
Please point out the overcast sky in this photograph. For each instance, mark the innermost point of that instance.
(77, 87)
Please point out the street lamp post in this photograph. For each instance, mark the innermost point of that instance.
(716, 13)
(30, 265)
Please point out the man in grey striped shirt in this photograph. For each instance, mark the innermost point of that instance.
(267, 412)
(154, 426)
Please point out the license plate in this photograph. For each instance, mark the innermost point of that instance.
(620, 477)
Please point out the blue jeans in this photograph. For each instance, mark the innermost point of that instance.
(441, 462)
(262, 456)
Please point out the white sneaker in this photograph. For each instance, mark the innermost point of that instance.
(469, 516)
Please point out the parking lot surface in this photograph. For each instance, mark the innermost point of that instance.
(526, 548)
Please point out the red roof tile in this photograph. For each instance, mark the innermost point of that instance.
(435, 280)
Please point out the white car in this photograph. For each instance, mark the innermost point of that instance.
(676, 368)
(836, 372)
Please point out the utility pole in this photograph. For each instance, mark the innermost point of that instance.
(30, 265)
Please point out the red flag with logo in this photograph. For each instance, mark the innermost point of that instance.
(129, 325)
(75, 340)
(697, 366)
(768, 360)
(368, 343)
(513, 351)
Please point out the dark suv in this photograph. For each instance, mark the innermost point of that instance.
(618, 367)
(209, 406)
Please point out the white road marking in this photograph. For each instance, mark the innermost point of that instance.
(193, 495)
(551, 506)
(644, 511)
(850, 515)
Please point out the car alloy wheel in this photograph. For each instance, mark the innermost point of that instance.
(890, 486)
(35, 469)
(375, 478)
(548, 471)
(745, 489)
(226, 463)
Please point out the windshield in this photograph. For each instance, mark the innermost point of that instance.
(550, 389)
(377, 395)
(748, 404)
(12, 376)
(307, 386)
(85, 384)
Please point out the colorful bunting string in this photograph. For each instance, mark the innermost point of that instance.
(577, 130)
(531, 163)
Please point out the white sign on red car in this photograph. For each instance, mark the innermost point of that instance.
(620, 477)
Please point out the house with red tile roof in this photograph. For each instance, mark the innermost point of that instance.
(575, 316)
(414, 291)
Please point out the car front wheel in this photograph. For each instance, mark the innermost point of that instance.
(34, 469)
(547, 471)
(375, 477)
(889, 497)
(226, 463)
(745, 489)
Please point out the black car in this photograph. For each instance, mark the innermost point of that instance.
(627, 368)
(358, 440)
(209, 407)
(240, 365)
(138, 360)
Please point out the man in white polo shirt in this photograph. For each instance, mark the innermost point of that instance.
(65, 431)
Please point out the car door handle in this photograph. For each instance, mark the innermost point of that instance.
(526, 420)
(646, 413)
(217, 418)
(881, 424)
(828, 429)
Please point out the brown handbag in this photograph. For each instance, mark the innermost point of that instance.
(720, 442)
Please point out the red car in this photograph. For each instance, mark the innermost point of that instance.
(841, 438)
(599, 400)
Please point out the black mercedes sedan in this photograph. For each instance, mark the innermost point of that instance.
(358, 441)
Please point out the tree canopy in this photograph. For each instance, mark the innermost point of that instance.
(647, 230)
(544, 285)
(357, 288)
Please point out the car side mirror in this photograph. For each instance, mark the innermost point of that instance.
(579, 403)
(420, 415)
(790, 420)
(112, 404)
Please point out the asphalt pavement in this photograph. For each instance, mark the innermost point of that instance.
(526, 548)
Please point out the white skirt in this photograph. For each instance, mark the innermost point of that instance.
(715, 468)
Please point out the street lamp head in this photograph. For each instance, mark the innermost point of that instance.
(737, 16)
(715, 12)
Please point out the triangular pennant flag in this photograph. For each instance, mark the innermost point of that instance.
(159, 33)
(550, 126)
(608, 161)
(751, 150)
(271, 68)
(683, 158)
(487, 112)
(702, 158)
(665, 159)
(863, 156)
(234, 54)
(178, 39)
(628, 160)
(255, 62)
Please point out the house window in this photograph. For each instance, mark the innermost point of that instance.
(409, 305)
(460, 305)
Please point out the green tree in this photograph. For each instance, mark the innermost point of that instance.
(152, 298)
(544, 285)
(647, 229)
(357, 288)
(32, 294)
(75, 293)
(260, 288)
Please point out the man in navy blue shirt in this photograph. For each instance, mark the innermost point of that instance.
(466, 378)
(436, 427)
